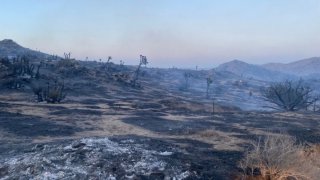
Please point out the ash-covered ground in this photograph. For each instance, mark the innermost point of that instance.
(125, 157)
(107, 129)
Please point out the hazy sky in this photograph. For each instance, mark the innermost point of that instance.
(181, 33)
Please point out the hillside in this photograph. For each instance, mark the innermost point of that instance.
(9, 48)
(105, 125)
(246, 70)
(306, 67)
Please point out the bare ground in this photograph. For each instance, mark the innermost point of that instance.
(107, 130)
(203, 146)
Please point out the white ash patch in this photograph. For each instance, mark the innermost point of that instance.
(183, 175)
(88, 158)
(165, 153)
(147, 164)
(105, 144)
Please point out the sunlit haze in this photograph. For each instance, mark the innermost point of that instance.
(180, 33)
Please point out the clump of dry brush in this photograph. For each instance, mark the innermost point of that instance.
(51, 93)
(280, 157)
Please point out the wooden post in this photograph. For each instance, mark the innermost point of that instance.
(212, 109)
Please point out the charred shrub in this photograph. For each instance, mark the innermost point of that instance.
(18, 72)
(289, 95)
(67, 63)
(38, 91)
(70, 68)
(51, 92)
(55, 92)
(121, 77)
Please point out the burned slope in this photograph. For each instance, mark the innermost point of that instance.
(9, 48)
(227, 89)
(152, 130)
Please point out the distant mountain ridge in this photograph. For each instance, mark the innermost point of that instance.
(305, 68)
(244, 69)
(9, 48)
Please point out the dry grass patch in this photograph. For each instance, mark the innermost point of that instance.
(208, 133)
(280, 157)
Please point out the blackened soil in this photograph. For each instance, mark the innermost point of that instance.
(305, 128)
(77, 111)
(32, 126)
(183, 157)
(170, 127)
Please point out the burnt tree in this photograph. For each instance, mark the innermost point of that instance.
(143, 61)
(289, 95)
(209, 82)
(187, 76)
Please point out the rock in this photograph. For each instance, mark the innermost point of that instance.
(39, 147)
(157, 175)
(78, 145)
(4, 171)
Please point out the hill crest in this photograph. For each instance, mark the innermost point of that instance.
(9, 48)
